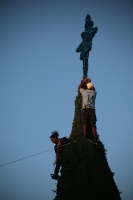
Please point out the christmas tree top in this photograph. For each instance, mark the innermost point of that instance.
(86, 44)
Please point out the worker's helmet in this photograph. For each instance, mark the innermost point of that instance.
(89, 85)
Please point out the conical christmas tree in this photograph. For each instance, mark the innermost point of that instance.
(85, 173)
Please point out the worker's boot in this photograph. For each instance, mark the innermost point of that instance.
(55, 176)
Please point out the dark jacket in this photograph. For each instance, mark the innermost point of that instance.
(59, 149)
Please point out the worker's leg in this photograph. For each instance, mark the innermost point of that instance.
(85, 130)
(94, 132)
(58, 164)
(92, 119)
(84, 120)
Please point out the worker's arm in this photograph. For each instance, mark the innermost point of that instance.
(83, 82)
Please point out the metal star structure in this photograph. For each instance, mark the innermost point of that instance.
(86, 44)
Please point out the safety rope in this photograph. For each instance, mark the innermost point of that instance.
(41, 153)
(30, 156)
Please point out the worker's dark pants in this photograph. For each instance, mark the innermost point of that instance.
(58, 163)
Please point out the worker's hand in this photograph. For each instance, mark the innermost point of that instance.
(89, 80)
(84, 80)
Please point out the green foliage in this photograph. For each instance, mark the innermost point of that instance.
(85, 173)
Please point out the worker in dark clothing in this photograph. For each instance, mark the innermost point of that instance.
(59, 151)
(88, 114)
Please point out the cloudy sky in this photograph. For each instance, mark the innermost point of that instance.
(39, 75)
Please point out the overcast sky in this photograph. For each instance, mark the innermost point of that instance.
(39, 75)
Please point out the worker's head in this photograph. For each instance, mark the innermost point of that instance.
(90, 86)
(54, 136)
